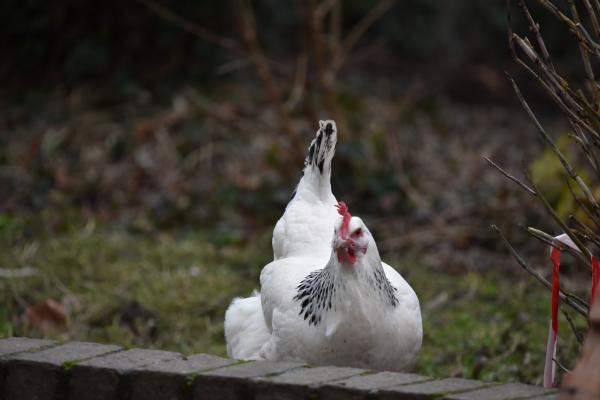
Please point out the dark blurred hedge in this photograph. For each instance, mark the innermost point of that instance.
(67, 42)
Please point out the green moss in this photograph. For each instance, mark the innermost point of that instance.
(67, 365)
(187, 389)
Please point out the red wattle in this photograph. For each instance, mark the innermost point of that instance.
(351, 256)
(555, 257)
(595, 279)
(347, 255)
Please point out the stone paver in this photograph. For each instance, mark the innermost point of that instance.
(234, 382)
(170, 379)
(299, 383)
(502, 392)
(19, 344)
(36, 375)
(551, 396)
(15, 345)
(431, 389)
(70, 352)
(108, 375)
(361, 386)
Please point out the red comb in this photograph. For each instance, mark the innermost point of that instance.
(345, 213)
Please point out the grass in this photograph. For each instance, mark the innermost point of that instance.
(169, 291)
(490, 328)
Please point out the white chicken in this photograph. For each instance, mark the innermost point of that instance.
(305, 226)
(348, 309)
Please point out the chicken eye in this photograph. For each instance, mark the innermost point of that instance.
(357, 233)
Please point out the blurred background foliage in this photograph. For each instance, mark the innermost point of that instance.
(70, 44)
(142, 166)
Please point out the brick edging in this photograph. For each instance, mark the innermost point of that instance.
(44, 369)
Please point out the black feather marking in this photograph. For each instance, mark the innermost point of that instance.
(328, 130)
(311, 153)
(312, 294)
(383, 284)
(318, 143)
(321, 166)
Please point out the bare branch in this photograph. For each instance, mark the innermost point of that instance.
(567, 166)
(592, 16)
(325, 72)
(565, 228)
(335, 28)
(567, 298)
(324, 8)
(587, 232)
(299, 83)
(511, 177)
(359, 30)
(560, 365)
(577, 29)
(191, 27)
(550, 241)
(248, 30)
(587, 66)
(578, 336)
(535, 27)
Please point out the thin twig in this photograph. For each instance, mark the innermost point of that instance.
(565, 297)
(586, 210)
(247, 27)
(592, 236)
(561, 366)
(578, 336)
(535, 27)
(359, 30)
(550, 241)
(324, 8)
(205, 34)
(191, 27)
(325, 72)
(335, 28)
(577, 29)
(566, 165)
(564, 227)
(555, 86)
(593, 18)
(511, 177)
(299, 83)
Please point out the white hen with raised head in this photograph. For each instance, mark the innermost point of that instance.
(349, 309)
(304, 229)
(305, 226)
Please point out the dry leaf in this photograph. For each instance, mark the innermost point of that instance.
(47, 316)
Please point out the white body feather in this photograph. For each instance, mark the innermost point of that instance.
(245, 328)
(361, 331)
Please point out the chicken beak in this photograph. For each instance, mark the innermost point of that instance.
(344, 249)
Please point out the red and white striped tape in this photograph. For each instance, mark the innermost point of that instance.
(555, 252)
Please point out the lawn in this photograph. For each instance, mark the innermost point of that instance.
(169, 290)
